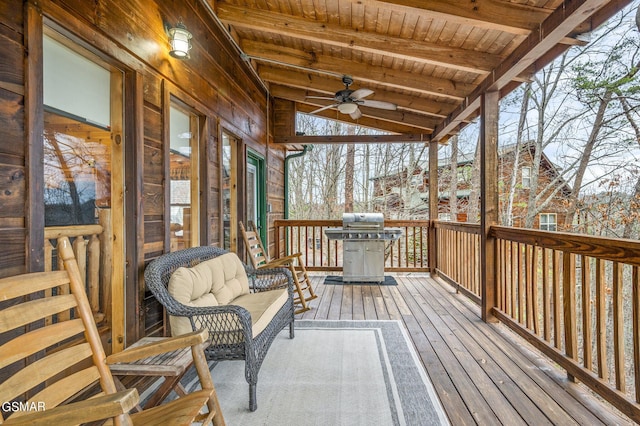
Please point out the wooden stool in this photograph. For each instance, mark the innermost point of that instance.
(172, 366)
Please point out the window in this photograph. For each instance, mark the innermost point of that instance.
(548, 222)
(78, 129)
(526, 177)
(184, 136)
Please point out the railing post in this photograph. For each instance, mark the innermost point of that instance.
(433, 207)
(488, 201)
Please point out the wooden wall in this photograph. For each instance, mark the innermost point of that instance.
(131, 35)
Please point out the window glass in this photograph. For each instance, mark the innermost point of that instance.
(65, 72)
(548, 221)
(526, 177)
(183, 169)
(77, 135)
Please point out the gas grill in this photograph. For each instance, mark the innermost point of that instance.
(363, 251)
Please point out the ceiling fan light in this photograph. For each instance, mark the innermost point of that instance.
(348, 108)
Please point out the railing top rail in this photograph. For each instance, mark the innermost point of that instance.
(472, 228)
(338, 222)
(307, 222)
(53, 232)
(614, 249)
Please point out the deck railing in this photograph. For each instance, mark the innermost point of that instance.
(576, 298)
(458, 260)
(408, 254)
(88, 252)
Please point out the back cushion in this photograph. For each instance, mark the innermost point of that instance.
(210, 283)
(230, 279)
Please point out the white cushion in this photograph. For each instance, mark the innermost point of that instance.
(213, 282)
(262, 306)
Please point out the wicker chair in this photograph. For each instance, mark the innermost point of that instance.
(229, 326)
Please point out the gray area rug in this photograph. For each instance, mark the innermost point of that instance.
(332, 373)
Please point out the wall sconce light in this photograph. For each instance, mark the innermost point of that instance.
(180, 40)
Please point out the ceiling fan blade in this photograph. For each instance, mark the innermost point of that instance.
(379, 104)
(356, 114)
(361, 93)
(320, 97)
(323, 108)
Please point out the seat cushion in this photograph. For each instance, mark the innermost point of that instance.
(262, 306)
(213, 282)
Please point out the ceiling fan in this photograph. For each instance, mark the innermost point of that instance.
(347, 100)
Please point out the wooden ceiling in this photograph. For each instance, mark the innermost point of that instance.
(432, 58)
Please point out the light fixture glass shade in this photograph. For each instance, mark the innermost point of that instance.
(180, 40)
(348, 108)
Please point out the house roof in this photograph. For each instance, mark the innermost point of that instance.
(432, 58)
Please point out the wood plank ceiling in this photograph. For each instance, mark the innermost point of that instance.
(432, 58)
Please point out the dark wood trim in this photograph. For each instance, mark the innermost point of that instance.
(166, 163)
(34, 130)
(203, 181)
(489, 200)
(134, 218)
(330, 139)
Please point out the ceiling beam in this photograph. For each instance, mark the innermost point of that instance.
(373, 123)
(333, 139)
(361, 72)
(323, 32)
(489, 14)
(551, 32)
(424, 122)
(329, 86)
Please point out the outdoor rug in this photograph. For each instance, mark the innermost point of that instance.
(332, 373)
(337, 280)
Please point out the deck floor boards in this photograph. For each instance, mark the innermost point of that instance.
(483, 373)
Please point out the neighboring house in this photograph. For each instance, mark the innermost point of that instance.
(407, 193)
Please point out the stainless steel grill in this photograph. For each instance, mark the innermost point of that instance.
(363, 252)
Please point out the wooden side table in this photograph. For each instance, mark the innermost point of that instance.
(172, 366)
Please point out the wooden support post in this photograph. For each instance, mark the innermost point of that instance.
(488, 201)
(433, 205)
(34, 126)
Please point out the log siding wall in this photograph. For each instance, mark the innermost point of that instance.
(131, 35)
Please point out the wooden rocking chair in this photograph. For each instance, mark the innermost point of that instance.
(60, 358)
(259, 259)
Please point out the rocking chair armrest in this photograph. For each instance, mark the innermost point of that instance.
(163, 346)
(281, 261)
(265, 279)
(98, 408)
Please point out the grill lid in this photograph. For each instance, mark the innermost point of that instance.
(362, 220)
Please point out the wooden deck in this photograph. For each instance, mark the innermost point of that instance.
(483, 373)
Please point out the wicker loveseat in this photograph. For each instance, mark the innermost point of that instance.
(243, 309)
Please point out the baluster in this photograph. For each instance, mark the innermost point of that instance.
(546, 296)
(534, 290)
(528, 276)
(48, 266)
(601, 320)
(635, 285)
(618, 327)
(585, 276)
(569, 301)
(521, 285)
(63, 289)
(93, 273)
(557, 308)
